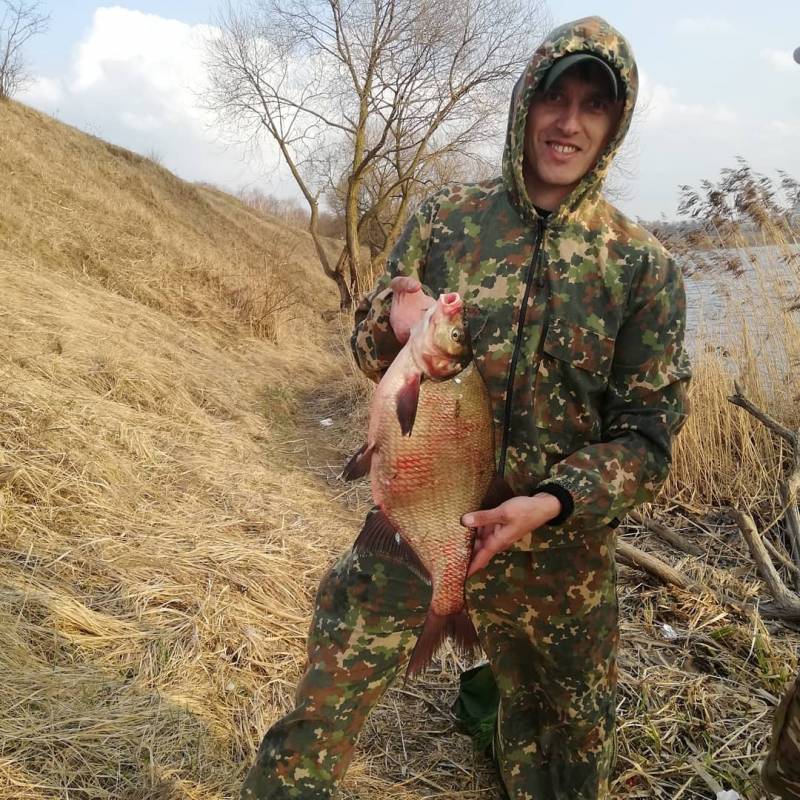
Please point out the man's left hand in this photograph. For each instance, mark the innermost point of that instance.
(498, 528)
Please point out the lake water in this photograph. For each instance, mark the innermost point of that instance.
(720, 303)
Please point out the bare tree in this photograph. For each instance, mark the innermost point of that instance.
(366, 99)
(19, 21)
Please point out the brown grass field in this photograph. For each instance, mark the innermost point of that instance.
(169, 500)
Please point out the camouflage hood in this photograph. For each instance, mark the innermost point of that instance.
(589, 35)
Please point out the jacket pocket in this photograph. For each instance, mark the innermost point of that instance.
(570, 383)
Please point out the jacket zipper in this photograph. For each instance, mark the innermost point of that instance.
(532, 271)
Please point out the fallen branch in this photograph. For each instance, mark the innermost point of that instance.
(781, 558)
(791, 485)
(634, 557)
(792, 437)
(792, 523)
(784, 598)
(666, 534)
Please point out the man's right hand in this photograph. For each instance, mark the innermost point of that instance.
(409, 303)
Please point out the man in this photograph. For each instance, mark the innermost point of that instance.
(780, 773)
(576, 319)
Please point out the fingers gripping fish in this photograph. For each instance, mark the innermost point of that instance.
(430, 455)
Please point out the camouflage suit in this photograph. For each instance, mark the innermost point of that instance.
(577, 327)
(781, 771)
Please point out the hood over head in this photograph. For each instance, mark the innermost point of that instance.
(588, 35)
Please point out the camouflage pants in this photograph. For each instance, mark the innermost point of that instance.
(548, 623)
(781, 771)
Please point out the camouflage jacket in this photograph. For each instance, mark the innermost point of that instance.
(588, 382)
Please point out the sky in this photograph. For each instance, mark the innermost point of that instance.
(717, 81)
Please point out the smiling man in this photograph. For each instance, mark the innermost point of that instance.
(576, 318)
(570, 121)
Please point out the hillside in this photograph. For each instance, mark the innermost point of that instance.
(160, 531)
(169, 501)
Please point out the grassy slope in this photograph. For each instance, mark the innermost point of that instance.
(167, 507)
(154, 587)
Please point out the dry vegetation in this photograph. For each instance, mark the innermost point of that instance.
(160, 534)
(168, 501)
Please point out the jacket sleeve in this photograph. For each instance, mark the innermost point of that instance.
(644, 407)
(373, 342)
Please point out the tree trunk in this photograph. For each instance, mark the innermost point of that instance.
(351, 230)
(336, 274)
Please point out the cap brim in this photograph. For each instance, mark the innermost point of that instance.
(567, 62)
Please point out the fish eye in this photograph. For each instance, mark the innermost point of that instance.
(457, 335)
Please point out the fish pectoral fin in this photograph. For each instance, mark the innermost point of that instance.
(407, 401)
(359, 464)
(380, 537)
(498, 492)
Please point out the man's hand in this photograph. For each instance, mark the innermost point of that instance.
(498, 528)
(409, 303)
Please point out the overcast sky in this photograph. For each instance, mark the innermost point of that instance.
(718, 80)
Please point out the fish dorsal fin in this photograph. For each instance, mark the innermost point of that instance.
(498, 492)
(379, 537)
(359, 464)
(407, 402)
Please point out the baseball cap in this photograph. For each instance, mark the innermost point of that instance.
(567, 62)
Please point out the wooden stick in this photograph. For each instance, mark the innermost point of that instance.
(667, 535)
(790, 487)
(766, 569)
(633, 556)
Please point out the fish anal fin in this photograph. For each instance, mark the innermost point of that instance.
(359, 464)
(407, 402)
(380, 537)
(498, 492)
(436, 629)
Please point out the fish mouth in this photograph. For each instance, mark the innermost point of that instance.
(452, 304)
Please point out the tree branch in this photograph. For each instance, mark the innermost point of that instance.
(788, 488)
(667, 535)
(784, 598)
(633, 556)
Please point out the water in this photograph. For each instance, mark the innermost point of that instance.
(720, 303)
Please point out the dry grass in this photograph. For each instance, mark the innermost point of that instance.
(160, 535)
(168, 501)
(725, 457)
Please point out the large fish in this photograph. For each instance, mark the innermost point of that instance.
(430, 455)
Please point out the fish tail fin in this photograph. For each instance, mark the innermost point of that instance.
(463, 632)
(436, 629)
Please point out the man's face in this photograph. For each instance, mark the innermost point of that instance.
(568, 126)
